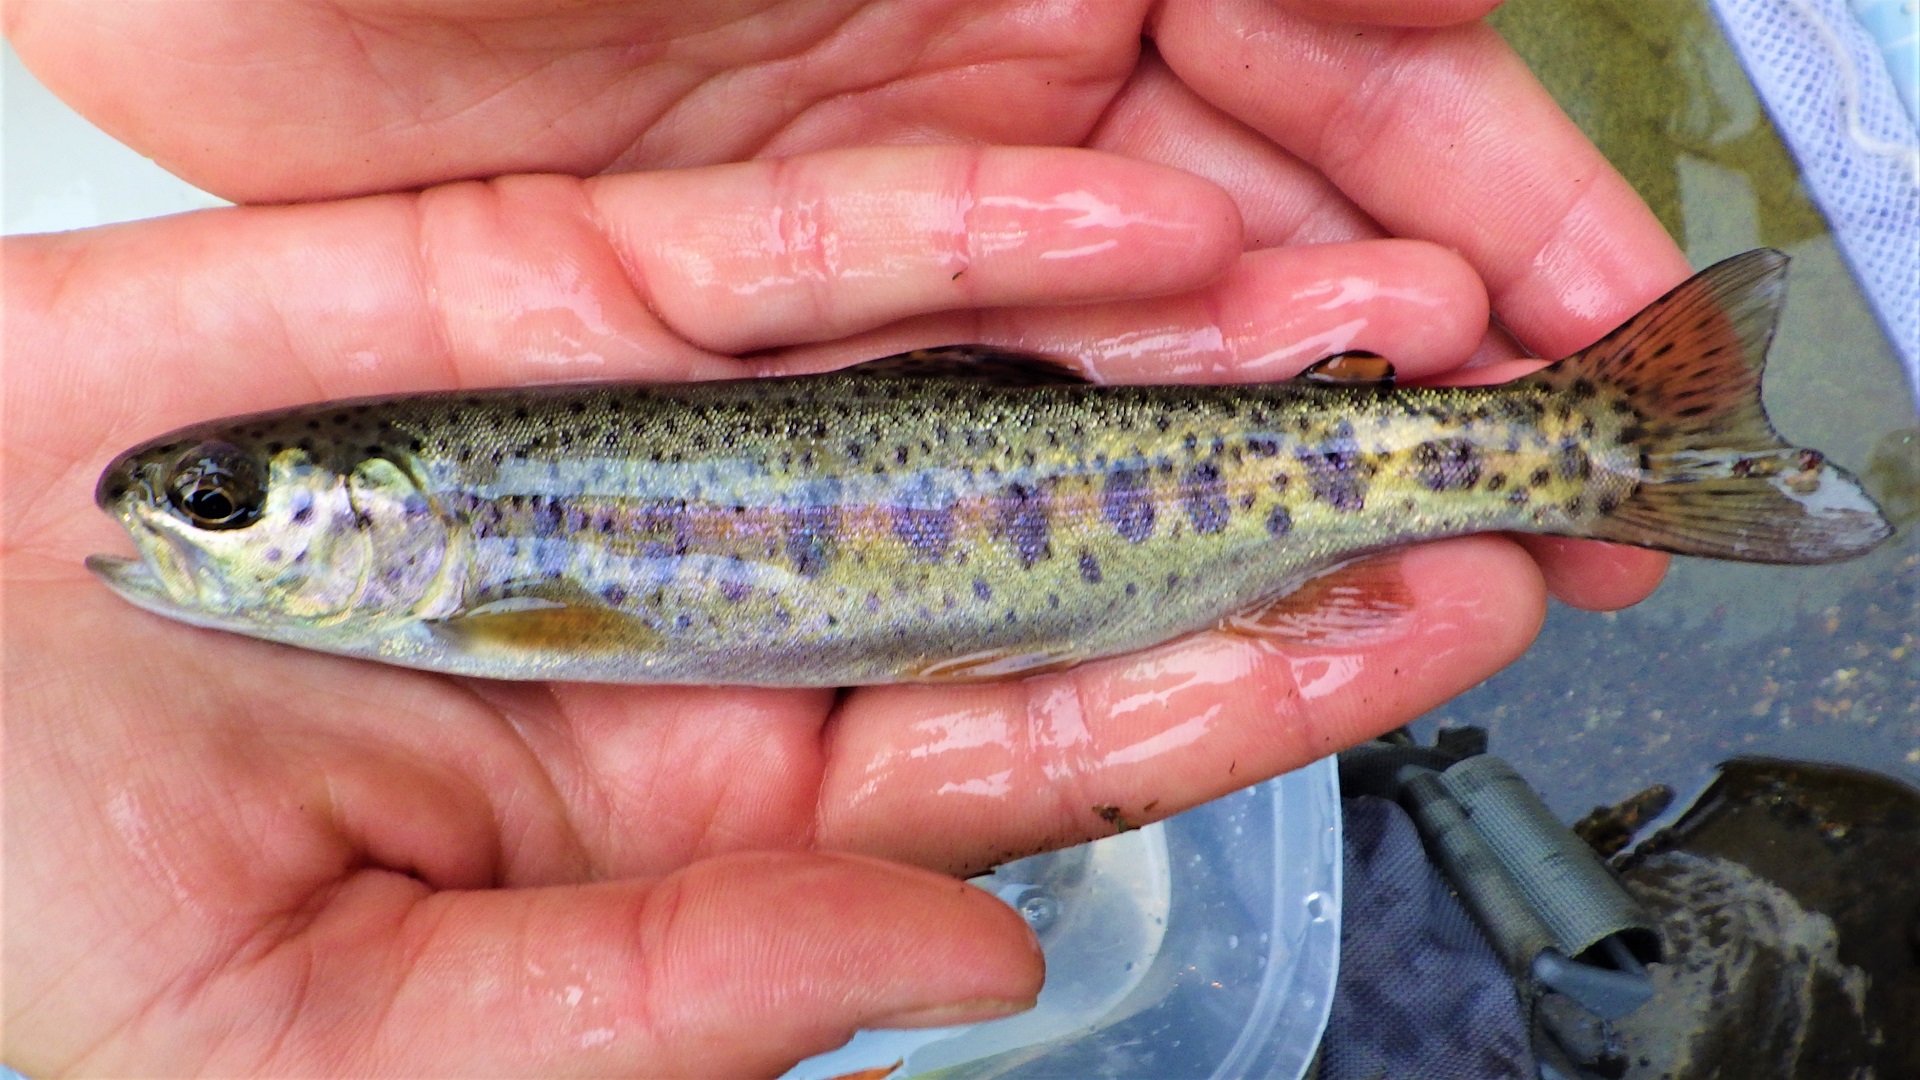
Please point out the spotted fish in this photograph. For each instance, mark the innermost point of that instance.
(957, 513)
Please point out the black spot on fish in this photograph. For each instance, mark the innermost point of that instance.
(1333, 469)
(1279, 521)
(303, 515)
(811, 531)
(614, 594)
(1089, 568)
(1539, 478)
(981, 590)
(1496, 481)
(927, 531)
(1126, 500)
(1518, 496)
(1447, 464)
(1132, 589)
(1572, 462)
(1023, 521)
(1205, 495)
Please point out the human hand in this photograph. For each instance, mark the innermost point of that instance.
(230, 856)
(1415, 122)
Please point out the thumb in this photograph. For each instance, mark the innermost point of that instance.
(739, 965)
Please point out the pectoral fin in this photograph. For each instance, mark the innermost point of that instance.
(531, 624)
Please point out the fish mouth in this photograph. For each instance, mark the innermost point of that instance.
(132, 579)
(135, 581)
(162, 578)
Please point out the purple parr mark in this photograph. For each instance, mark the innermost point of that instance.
(1126, 499)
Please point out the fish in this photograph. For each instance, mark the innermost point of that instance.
(945, 515)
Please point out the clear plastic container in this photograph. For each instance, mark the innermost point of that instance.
(1202, 946)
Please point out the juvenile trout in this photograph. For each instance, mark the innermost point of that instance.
(957, 513)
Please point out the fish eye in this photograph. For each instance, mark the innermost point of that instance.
(216, 486)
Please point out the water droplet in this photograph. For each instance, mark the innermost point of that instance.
(1040, 909)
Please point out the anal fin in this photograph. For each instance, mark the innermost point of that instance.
(1350, 603)
(989, 665)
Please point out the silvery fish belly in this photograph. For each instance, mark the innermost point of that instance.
(951, 514)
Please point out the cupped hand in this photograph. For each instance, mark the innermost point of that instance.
(237, 857)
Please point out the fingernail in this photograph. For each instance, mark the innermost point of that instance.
(964, 1012)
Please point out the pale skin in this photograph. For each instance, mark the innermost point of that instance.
(228, 856)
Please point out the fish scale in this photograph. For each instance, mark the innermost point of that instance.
(961, 513)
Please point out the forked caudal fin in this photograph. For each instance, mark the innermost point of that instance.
(1715, 478)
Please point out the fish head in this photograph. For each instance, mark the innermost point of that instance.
(291, 543)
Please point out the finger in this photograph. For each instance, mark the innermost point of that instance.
(962, 778)
(1282, 200)
(1595, 576)
(1391, 12)
(1446, 136)
(1273, 314)
(817, 247)
(1443, 135)
(732, 967)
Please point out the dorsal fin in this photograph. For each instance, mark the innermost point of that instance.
(974, 363)
(1356, 367)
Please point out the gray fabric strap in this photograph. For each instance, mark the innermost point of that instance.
(1562, 881)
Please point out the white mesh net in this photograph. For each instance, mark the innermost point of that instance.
(1825, 82)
